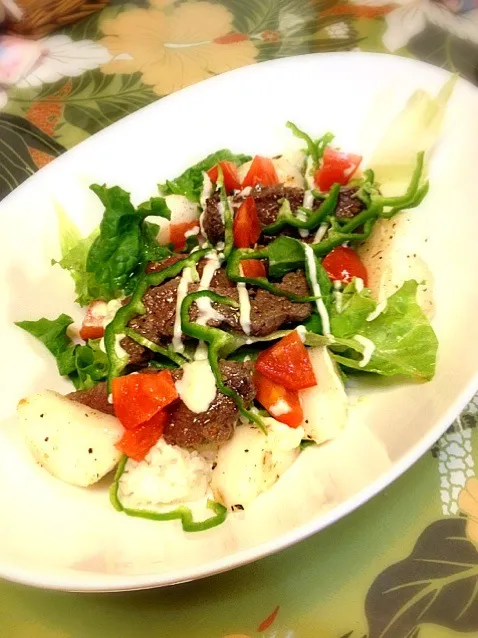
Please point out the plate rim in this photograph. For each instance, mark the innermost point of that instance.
(61, 579)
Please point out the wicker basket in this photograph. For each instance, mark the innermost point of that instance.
(40, 17)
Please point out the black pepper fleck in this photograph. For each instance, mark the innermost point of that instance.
(41, 416)
(46, 439)
(90, 450)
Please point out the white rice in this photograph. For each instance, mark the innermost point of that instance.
(168, 475)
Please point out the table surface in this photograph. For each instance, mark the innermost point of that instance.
(404, 565)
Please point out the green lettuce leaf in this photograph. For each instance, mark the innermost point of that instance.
(85, 365)
(74, 252)
(404, 341)
(355, 307)
(125, 242)
(52, 333)
(190, 182)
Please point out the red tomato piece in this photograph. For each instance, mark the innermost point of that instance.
(229, 171)
(253, 268)
(247, 227)
(287, 363)
(177, 234)
(262, 172)
(282, 404)
(337, 168)
(93, 323)
(343, 264)
(138, 397)
(137, 443)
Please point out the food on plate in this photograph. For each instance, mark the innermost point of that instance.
(221, 320)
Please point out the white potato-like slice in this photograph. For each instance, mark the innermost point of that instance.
(251, 462)
(70, 440)
(288, 173)
(325, 405)
(390, 262)
(182, 211)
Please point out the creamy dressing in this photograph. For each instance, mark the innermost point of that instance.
(192, 232)
(244, 308)
(221, 211)
(206, 311)
(201, 352)
(321, 232)
(186, 279)
(119, 351)
(246, 191)
(279, 407)
(359, 285)
(338, 296)
(368, 349)
(197, 388)
(208, 189)
(312, 268)
(378, 310)
(309, 173)
(307, 202)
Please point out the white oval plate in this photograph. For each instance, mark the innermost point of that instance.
(54, 535)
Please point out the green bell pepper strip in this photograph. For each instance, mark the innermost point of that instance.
(176, 358)
(233, 271)
(314, 149)
(219, 342)
(376, 210)
(314, 219)
(182, 512)
(135, 307)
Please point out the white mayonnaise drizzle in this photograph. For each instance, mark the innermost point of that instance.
(197, 387)
(279, 407)
(309, 173)
(206, 311)
(338, 295)
(307, 202)
(359, 285)
(186, 279)
(321, 232)
(244, 308)
(208, 189)
(194, 231)
(369, 348)
(378, 310)
(119, 351)
(312, 268)
(221, 210)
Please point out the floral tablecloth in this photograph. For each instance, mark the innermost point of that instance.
(406, 564)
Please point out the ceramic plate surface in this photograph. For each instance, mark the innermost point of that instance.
(54, 535)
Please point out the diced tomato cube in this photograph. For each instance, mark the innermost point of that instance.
(287, 363)
(261, 171)
(229, 171)
(138, 397)
(177, 234)
(253, 268)
(282, 404)
(336, 168)
(136, 443)
(247, 227)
